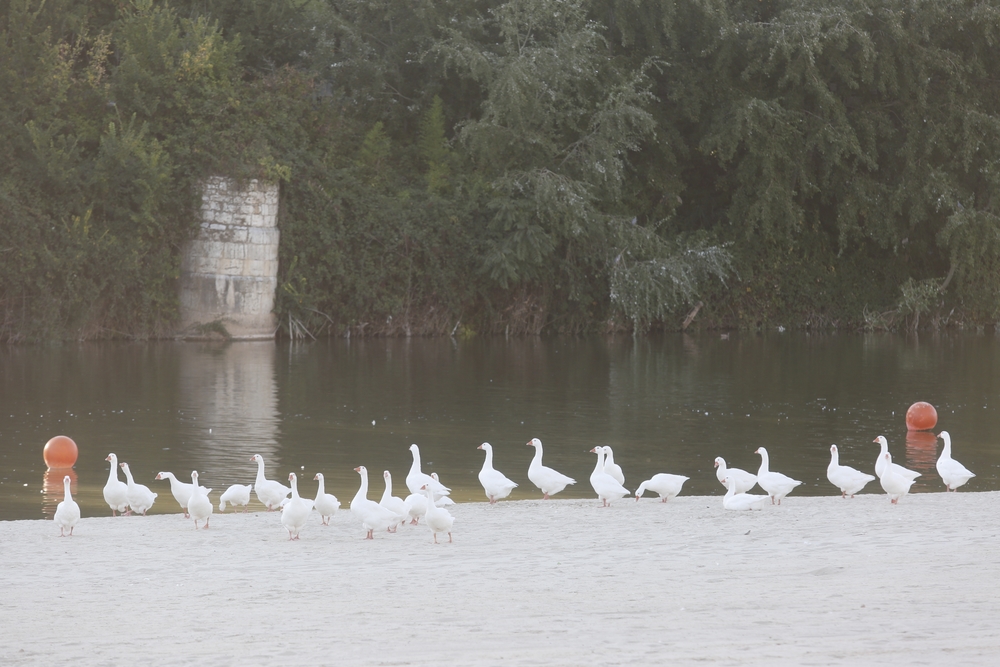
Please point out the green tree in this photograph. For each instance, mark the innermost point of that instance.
(557, 124)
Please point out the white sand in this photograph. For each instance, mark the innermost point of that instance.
(817, 581)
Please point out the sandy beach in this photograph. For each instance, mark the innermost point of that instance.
(816, 581)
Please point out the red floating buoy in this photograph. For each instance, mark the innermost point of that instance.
(921, 417)
(60, 452)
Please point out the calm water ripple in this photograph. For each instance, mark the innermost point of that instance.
(665, 403)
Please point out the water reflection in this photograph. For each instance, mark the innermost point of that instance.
(229, 410)
(921, 455)
(53, 491)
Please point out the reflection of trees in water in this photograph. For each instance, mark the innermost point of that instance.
(229, 399)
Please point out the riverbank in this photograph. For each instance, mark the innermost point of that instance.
(818, 580)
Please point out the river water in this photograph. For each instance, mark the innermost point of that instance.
(668, 403)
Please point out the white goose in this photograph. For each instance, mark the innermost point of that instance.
(775, 484)
(199, 506)
(67, 511)
(115, 491)
(416, 506)
(236, 494)
(439, 520)
(953, 473)
(295, 512)
(741, 501)
(373, 516)
(181, 491)
(326, 503)
(666, 485)
(893, 483)
(140, 498)
(549, 481)
(495, 483)
(849, 480)
(417, 478)
(611, 467)
(607, 487)
(395, 505)
(880, 462)
(743, 480)
(269, 491)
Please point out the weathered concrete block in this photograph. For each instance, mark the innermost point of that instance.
(229, 272)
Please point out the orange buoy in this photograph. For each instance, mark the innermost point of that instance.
(60, 452)
(921, 417)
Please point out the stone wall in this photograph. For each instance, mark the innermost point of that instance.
(230, 271)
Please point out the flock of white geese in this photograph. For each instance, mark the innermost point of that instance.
(428, 498)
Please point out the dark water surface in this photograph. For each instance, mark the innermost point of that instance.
(666, 404)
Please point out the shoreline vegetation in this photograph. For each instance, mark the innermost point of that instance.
(563, 582)
(514, 167)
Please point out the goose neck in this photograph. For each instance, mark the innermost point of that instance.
(763, 462)
(600, 461)
(362, 493)
(536, 460)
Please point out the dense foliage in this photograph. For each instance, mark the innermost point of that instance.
(508, 165)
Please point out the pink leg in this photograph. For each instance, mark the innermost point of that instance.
(435, 538)
(545, 497)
